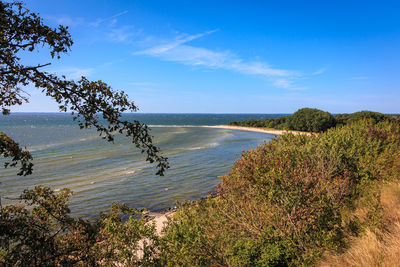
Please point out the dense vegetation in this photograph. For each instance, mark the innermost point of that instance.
(313, 120)
(39, 231)
(288, 202)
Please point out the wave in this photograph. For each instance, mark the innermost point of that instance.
(127, 171)
(211, 145)
(58, 144)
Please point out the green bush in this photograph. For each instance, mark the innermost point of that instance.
(314, 120)
(278, 123)
(248, 123)
(289, 200)
(342, 119)
(311, 120)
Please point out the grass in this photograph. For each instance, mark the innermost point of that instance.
(375, 247)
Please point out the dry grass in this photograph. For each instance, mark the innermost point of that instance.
(375, 247)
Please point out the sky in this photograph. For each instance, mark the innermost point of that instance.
(230, 56)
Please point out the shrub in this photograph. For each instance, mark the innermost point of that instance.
(342, 119)
(288, 201)
(311, 120)
(248, 123)
(278, 123)
(40, 232)
(314, 120)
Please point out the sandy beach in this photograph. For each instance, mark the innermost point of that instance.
(260, 130)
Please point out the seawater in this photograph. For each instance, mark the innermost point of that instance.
(100, 173)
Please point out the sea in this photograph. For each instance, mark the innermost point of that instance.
(100, 173)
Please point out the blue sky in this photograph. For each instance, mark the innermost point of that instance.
(232, 56)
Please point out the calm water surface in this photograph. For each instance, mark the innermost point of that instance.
(100, 173)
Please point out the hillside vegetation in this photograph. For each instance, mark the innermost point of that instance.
(291, 201)
(313, 120)
(297, 200)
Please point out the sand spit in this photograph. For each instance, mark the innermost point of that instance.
(260, 130)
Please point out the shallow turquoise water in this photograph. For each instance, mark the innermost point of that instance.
(100, 173)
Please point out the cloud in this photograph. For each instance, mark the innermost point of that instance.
(282, 83)
(121, 34)
(320, 71)
(109, 30)
(73, 73)
(66, 20)
(178, 51)
(75, 21)
(163, 48)
(111, 18)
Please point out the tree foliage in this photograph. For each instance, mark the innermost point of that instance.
(314, 120)
(40, 232)
(311, 120)
(10, 149)
(342, 119)
(93, 103)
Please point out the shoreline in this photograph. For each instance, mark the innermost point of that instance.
(259, 130)
(160, 217)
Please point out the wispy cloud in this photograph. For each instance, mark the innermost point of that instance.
(109, 30)
(73, 73)
(122, 34)
(282, 83)
(286, 84)
(77, 21)
(320, 71)
(112, 19)
(66, 20)
(178, 51)
(169, 45)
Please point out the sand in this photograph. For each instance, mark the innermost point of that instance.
(260, 130)
(160, 219)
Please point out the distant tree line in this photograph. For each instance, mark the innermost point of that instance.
(314, 120)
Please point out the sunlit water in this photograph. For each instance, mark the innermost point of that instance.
(100, 173)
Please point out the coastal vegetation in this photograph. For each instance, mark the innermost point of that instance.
(39, 231)
(313, 120)
(293, 201)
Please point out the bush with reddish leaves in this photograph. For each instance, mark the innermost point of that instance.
(288, 201)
